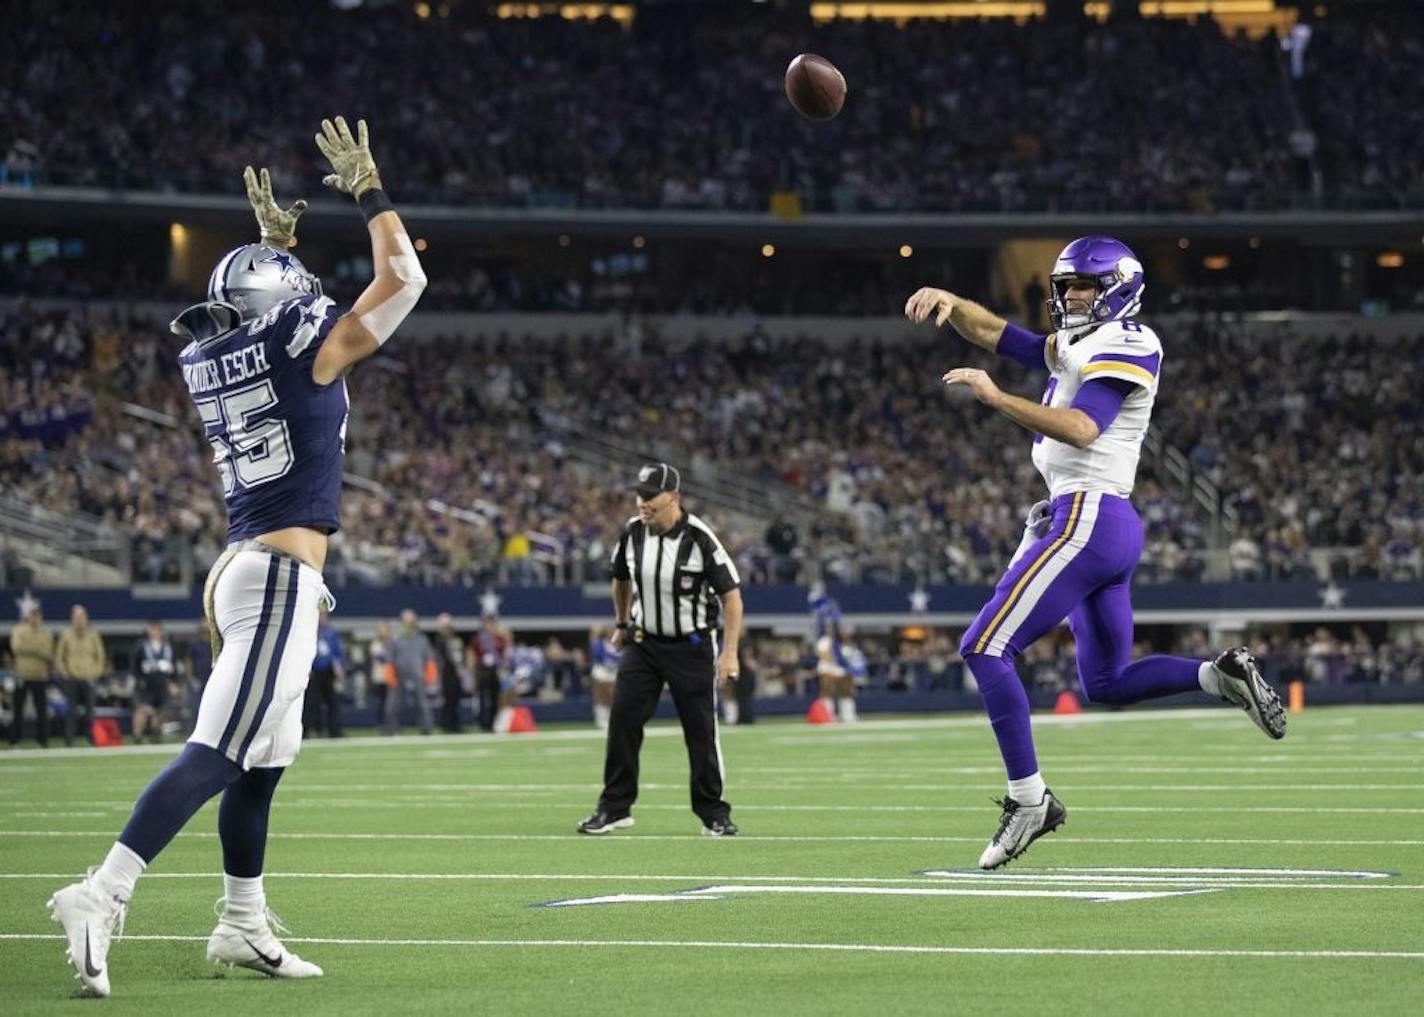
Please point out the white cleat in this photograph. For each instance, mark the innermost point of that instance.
(248, 941)
(1242, 685)
(1019, 826)
(89, 915)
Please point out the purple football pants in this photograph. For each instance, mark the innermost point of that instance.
(1081, 570)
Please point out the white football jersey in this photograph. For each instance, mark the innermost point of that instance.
(1117, 349)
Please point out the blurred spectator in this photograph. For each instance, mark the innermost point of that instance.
(32, 650)
(488, 656)
(414, 665)
(79, 661)
(450, 660)
(155, 669)
(198, 665)
(321, 709)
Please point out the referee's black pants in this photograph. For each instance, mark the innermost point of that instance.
(687, 668)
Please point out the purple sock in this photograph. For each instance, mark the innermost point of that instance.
(1147, 678)
(1007, 704)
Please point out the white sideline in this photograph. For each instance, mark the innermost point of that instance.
(642, 838)
(664, 729)
(661, 944)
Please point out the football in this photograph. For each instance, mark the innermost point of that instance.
(816, 89)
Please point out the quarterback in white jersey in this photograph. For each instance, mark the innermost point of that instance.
(1081, 545)
(1121, 350)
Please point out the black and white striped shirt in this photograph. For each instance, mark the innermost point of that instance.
(677, 577)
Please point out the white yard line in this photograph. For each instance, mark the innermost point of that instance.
(406, 802)
(872, 948)
(668, 729)
(640, 838)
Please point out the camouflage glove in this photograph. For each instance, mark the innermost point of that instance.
(349, 157)
(277, 227)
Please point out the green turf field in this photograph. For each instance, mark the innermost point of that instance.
(411, 870)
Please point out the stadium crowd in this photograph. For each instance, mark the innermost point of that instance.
(951, 116)
(475, 453)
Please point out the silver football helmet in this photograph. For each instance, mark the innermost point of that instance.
(247, 283)
(255, 278)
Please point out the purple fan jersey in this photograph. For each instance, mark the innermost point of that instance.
(278, 438)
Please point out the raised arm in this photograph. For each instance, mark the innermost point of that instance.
(977, 324)
(399, 279)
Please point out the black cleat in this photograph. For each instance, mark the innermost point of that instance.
(1243, 686)
(602, 822)
(719, 828)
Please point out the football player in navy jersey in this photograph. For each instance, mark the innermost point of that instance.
(265, 361)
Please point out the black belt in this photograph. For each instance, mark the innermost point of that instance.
(695, 638)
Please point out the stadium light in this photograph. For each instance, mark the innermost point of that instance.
(565, 240)
(1390, 259)
(639, 242)
(906, 250)
(767, 250)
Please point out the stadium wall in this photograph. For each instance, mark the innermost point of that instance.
(1223, 606)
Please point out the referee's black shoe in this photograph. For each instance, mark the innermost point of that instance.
(719, 828)
(602, 822)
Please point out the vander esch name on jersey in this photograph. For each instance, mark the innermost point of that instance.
(228, 369)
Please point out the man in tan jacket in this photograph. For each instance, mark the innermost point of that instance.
(32, 646)
(80, 661)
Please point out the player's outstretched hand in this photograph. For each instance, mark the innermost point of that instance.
(277, 227)
(926, 301)
(350, 158)
(978, 381)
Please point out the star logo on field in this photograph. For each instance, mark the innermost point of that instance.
(489, 602)
(919, 600)
(26, 602)
(1332, 595)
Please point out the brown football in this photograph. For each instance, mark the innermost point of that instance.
(815, 87)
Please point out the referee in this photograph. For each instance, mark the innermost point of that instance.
(672, 580)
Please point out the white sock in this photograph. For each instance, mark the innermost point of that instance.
(846, 706)
(1028, 790)
(244, 896)
(1208, 679)
(600, 716)
(730, 710)
(120, 871)
(502, 720)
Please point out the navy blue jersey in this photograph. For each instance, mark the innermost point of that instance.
(279, 438)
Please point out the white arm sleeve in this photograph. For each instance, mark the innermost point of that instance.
(383, 319)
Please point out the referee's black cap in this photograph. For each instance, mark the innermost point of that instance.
(655, 478)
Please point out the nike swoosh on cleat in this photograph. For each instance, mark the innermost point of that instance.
(269, 961)
(89, 968)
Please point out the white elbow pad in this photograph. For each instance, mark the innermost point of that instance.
(383, 319)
